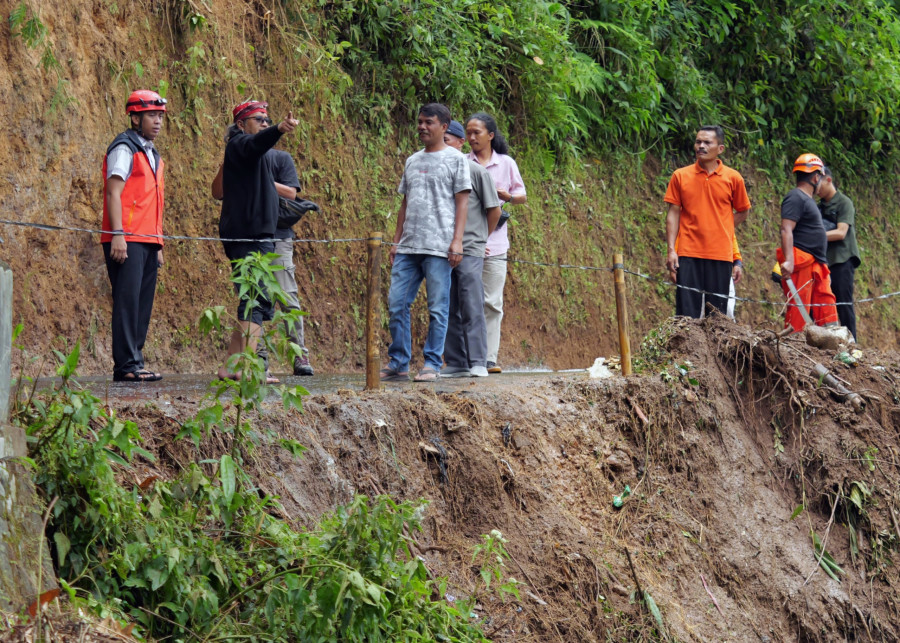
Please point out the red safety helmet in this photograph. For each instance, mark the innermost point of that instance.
(248, 109)
(808, 163)
(144, 100)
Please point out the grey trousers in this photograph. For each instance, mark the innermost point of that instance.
(494, 281)
(466, 342)
(288, 283)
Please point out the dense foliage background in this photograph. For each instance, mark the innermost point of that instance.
(643, 74)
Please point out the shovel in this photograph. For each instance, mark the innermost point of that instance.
(817, 336)
(796, 297)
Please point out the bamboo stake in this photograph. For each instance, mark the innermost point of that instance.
(622, 314)
(373, 296)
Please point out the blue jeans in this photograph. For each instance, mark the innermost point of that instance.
(407, 274)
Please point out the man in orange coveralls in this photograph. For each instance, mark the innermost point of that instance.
(802, 254)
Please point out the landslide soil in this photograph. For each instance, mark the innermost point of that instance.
(721, 439)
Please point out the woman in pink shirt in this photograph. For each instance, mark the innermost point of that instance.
(490, 149)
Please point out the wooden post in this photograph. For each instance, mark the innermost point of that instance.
(6, 299)
(373, 296)
(622, 313)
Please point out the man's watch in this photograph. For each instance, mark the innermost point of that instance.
(737, 262)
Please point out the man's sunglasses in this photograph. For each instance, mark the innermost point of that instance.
(265, 120)
(156, 102)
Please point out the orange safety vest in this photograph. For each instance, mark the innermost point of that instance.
(142, 198)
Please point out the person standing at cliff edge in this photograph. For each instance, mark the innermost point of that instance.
(250, 210)
(843, 253)
(287, 184)
(465, 350)
(706, 200)
(133, 188)
(490, 150)
(428, 243)
(803, 252)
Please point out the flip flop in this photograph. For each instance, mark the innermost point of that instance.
(426, 374)
(142, 375)
(390, 375)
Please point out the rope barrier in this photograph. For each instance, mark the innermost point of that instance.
(759, 301)
(665, 282)
(169, 237)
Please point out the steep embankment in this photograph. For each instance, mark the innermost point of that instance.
(65, 90)
(733, 452)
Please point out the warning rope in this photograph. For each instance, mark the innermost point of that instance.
(567, 266)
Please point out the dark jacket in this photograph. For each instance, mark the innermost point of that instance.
(250, 203)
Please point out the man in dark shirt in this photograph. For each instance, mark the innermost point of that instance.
(803, 246)
(843, 253)
(250, 209)
(287, 185)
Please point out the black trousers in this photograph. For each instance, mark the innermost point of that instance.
(704, 274)
(133, 289)
(264, 310)
(842, 287)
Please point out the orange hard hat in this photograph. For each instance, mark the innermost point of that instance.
(144, 100)
(808, 163)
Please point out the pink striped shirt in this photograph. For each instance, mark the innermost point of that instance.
(505, 172)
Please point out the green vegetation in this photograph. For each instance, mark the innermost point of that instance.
(574, 76)
(201, 556)
(25, 23)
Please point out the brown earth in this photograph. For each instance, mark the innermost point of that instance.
(721, 439)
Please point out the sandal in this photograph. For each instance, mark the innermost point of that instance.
(142, 375)
(391, 375)
(271, 379)
(426, 374)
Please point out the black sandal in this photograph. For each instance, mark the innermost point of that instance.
(142, 375)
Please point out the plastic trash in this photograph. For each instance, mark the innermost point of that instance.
(599, 370)
(618, 501)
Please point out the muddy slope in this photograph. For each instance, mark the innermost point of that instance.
(718, 460)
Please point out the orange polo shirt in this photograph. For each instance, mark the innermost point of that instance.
(708, 203)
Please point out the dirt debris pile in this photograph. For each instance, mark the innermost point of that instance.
(734, 453)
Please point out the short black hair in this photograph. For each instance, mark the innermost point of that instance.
(827, 172)
(436, 109)
(715, 129)
(805, 177)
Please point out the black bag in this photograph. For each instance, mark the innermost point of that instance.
(290, 212)
(504, 215)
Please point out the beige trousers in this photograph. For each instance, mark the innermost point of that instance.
(494, 276)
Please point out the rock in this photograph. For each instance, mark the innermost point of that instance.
(519, 441)
(619, 461)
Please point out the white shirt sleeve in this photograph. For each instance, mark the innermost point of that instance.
(119, 162)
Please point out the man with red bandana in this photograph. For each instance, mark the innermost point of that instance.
(250, 209)
(132, 223)
(287, 185)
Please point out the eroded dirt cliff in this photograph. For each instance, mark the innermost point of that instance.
(721, 442)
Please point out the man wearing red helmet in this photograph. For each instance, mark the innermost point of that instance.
(250, 208)
(802, 254)
(132, 222)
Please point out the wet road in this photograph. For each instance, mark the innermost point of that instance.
(193, 387)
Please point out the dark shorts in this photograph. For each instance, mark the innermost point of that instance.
(708, 275)
(264, 310)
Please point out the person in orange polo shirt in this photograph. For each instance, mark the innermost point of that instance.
(705, 201)
(132, 223)
(804, 244)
